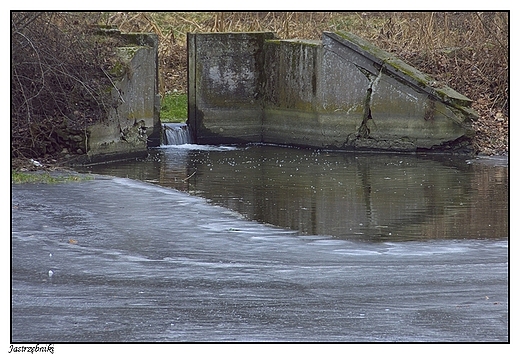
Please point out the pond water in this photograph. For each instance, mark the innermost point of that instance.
(264, 243)
(367, 197)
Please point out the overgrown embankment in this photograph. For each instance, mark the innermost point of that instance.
(468, 51)
(60, 74)
(60, 83)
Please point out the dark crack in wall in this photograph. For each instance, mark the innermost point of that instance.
(340, 93)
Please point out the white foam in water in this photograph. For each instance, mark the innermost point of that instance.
(202, 147)
(177, 135)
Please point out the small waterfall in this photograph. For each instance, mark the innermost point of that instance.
(176, 134)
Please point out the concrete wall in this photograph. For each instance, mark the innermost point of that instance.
(225, 74)
(340, 92)
(133, 122)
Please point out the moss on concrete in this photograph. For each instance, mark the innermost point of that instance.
(394, 66)
(412, 111)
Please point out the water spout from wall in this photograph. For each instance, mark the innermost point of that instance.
(176, 134)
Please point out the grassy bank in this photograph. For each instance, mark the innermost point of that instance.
(19, 177)
(174, 107)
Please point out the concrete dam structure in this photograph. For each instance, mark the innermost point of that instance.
(339, 92)
(133, 123)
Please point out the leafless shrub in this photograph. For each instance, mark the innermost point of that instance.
(56, 77)
(57, 85)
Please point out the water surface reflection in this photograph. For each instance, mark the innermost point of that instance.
(371, 197)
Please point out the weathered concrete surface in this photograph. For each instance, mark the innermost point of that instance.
(290, 93)
(402, 108)
(340, 92)
(133, 122)
(225, 74)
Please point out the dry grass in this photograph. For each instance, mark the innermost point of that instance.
(444, 44)
(469, 51)
(58, 86)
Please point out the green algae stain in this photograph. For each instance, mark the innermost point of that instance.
(394, 67)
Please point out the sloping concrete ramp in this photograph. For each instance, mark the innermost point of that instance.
(338, 93)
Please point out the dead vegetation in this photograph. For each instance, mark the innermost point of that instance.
(57, 73)
(468, 51)
(58, 82)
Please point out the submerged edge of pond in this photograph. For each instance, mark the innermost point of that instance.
(368, 197)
